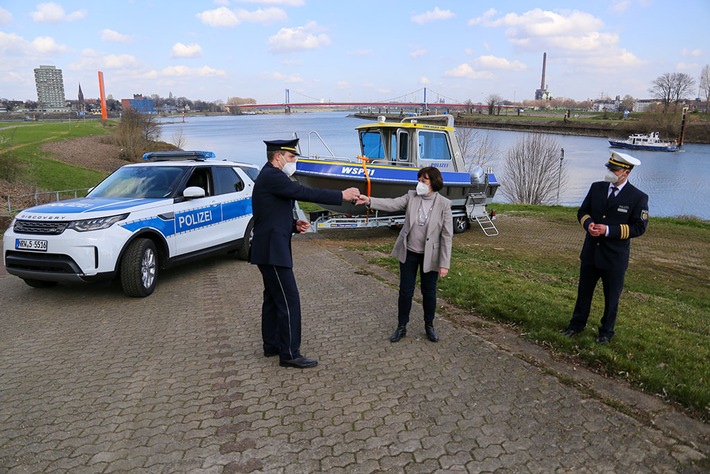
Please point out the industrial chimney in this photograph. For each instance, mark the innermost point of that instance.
(544, 64)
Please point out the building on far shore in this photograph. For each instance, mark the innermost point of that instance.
(50, 89)
(139, 104)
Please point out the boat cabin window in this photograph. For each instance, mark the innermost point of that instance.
(371, 145)
(403, 148)
(434, 145)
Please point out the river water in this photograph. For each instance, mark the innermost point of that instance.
(677, 183)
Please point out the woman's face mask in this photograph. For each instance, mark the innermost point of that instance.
(422, 189)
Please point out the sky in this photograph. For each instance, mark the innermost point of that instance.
(352, 51)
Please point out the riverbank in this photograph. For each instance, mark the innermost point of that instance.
(697, 127)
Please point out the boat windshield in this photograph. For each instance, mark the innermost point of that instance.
(434, 146)
(372, 145)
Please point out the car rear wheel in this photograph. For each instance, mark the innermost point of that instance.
(460, 224)
(39, 283)
(139, 268)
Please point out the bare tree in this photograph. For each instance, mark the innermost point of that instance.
(662, 89)
(179, 139)
(533, 170)
(683, 85)
(627, 103)
(705, 85)
(671, 88)
(477, 147)
(492, 102)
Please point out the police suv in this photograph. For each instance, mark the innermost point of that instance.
(173, 207)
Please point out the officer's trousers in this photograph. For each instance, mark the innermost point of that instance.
(613, 283)
(280, 312)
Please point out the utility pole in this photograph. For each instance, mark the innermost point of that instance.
(559, 175)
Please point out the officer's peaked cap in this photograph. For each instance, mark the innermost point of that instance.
(283, 145)
(621, 161)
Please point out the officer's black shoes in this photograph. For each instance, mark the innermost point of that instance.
(569, 332)
(430, 333)
(398, 333)
(299, 363)
(603, 340)
(271, 352)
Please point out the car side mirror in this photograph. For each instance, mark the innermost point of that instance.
(193, 192)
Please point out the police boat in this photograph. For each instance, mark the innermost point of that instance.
(391, 154)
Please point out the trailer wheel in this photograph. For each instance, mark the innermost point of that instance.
(460, 224)
(139, 268)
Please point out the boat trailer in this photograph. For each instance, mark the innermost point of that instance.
(474, 211)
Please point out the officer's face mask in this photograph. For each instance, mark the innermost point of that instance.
(289, 167)
(610, 177)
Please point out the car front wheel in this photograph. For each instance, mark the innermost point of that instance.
(139, 268)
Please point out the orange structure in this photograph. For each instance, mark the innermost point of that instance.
(102, 93)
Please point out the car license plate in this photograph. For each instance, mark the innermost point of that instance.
(31, 244)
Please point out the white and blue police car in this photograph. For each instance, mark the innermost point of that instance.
(171, 208)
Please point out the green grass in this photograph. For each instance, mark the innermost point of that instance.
(22, 144)
(662, 343)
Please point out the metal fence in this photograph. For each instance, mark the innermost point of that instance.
(17, 203)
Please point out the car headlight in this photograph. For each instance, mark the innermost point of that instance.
(99, 223)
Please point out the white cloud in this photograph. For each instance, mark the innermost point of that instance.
(279, 76)
(114, 36)
(692, 52)
(184, 71)
(493, 62)
(466, 71)
(120, 61)
(620, 6)
(687, 66)
(12, 44)
(491, 12)
(181, 50)
(224, 17)
(299, 38)
(288, 3)
(53, 13)
(575, 37)
(418, 52)
(424, 81)
(433, 15)
(5, 16)
(343, 85)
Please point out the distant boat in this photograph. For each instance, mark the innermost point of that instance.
(641, 141)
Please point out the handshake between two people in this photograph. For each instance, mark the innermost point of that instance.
(354, 196)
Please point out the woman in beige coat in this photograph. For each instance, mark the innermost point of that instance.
(424, 245)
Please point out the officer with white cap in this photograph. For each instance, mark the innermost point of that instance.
(613, 212)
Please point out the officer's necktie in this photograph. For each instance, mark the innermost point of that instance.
(612, 194)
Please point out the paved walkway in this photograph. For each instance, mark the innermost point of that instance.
(93, 381)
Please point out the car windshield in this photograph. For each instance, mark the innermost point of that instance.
(140, 182)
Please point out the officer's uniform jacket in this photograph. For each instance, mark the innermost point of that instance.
(274, 224)
(626, 215)
(437, 248)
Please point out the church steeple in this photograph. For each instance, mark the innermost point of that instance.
(81, 95)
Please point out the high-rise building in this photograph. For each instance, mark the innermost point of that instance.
(50, 88)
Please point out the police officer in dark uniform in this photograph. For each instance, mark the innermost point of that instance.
(613, 212)
(273, 205)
